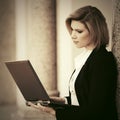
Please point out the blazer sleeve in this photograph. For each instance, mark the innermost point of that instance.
(100, 99)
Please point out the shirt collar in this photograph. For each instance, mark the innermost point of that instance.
(82, 57)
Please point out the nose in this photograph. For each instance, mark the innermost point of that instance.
(73, 35)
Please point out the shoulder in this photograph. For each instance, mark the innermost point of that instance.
(102, 58)
(103, 55)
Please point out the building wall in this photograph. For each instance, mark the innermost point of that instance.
(116, 46)
(7, 50)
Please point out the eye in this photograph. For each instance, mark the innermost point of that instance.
(71, 29)
(79, 31)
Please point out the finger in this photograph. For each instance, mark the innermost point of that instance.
(42, 108)
(27, 103)
(31, 104)
(34, 106)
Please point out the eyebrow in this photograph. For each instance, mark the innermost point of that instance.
(77, 29)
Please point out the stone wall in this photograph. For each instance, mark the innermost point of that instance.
(7, 50)
(41, 41)
(116, 45)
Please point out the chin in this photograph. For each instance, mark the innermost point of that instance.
(78, 46)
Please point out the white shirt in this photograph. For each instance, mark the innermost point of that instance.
(79, 62)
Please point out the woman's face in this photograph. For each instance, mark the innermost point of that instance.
(80, 35)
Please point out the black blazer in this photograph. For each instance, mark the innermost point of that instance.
(95, 89)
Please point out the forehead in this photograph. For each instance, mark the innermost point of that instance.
(77, 24)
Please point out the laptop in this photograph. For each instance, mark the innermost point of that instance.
(29, 84)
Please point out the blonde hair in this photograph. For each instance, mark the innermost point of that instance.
(94, 21)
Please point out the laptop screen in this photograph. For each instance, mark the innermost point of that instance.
(27, 80)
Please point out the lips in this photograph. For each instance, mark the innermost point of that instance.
(75, 42)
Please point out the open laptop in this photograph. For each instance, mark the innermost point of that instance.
(29, 84)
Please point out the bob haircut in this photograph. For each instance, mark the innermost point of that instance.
(94, 21)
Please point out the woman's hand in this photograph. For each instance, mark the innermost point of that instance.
(47, 109)
(58, 99)
(42, 108)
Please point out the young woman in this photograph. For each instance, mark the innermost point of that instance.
(92, 87)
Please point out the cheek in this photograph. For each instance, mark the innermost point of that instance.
(85, 38)
(84, 41)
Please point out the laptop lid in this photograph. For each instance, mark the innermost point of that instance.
(27, 80)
